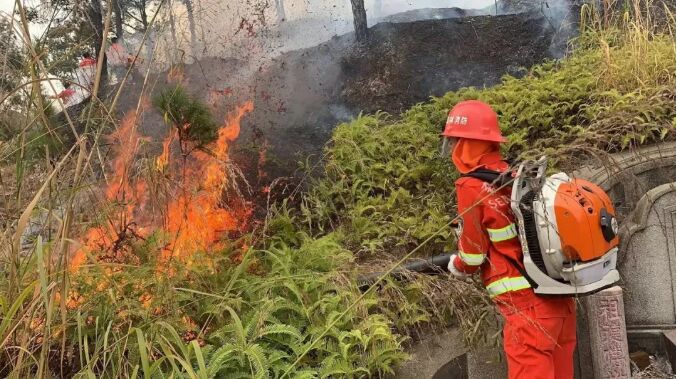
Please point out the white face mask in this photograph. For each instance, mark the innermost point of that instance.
(448, 144)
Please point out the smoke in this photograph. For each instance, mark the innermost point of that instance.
(560, 18)
(378, 9)
(295, 68)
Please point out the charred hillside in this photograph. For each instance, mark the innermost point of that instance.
(301, 95)
(405, 63)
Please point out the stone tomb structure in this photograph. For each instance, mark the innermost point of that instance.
(642, 185)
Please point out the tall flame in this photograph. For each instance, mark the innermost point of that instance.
(197, 216)
(120, 193)
(198, 219)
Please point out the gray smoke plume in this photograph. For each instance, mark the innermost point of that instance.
(560, 17)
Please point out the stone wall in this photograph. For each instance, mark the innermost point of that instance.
(642, 185)
(647, 262)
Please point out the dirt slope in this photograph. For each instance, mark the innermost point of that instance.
(303, 94)
(428, 58)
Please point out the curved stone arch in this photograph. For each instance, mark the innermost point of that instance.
(635, 181)
(648, 260)
(627, 176)
(639, 219)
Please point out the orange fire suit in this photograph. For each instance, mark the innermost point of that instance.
(539, 334)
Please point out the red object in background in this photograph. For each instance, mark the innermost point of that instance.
(86, 62)
(65, 94)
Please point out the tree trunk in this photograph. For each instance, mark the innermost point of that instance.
(150, 41)
(191, 23)
(96, 19)
(117, 9)
(360, 20)
(279, 8)
(172, 28)
(144, 15)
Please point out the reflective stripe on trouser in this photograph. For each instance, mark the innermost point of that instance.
(503, 234)
(505, 285)
(471, 259)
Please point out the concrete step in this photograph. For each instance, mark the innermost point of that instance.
(443, 350)
(444, 356)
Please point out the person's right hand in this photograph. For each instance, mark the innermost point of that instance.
(454, 271)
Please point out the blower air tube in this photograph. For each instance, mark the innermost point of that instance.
(431, 266)
(527, 208)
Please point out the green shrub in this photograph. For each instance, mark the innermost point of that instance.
(191, 117)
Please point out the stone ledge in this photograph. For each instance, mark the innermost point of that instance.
(638, 219)
(629, 162)
(431, 353)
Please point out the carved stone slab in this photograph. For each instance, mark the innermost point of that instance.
(608, 337)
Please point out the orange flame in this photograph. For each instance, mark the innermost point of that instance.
(197, 216)
(162, 161)
(120, 191)
(198, 219)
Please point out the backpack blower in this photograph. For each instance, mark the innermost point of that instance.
(568, 231)
(566, 226)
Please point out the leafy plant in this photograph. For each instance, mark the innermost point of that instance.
(191, 118)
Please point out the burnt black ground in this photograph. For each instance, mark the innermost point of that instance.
(303, 94)
(429, 58)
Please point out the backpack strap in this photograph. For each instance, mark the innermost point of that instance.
(522, 271)
(490, 176)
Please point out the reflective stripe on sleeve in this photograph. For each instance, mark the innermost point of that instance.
(503, 234)
(505, 285)
(471, 259)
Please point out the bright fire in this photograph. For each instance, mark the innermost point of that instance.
(197, 217)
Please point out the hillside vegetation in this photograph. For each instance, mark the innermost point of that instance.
(282, 300)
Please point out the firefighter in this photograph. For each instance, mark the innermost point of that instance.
(66, 96)
(118, 59)
(539, 333)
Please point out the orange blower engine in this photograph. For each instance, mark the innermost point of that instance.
(568, 231)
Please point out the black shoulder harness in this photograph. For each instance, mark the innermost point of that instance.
(490, 176)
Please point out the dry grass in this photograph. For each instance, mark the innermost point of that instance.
(658, 369)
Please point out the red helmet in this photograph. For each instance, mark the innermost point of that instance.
(473, 119)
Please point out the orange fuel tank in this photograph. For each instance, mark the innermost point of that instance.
(585, 219)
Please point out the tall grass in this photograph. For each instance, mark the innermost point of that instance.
(643, 30)
(289, 305)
